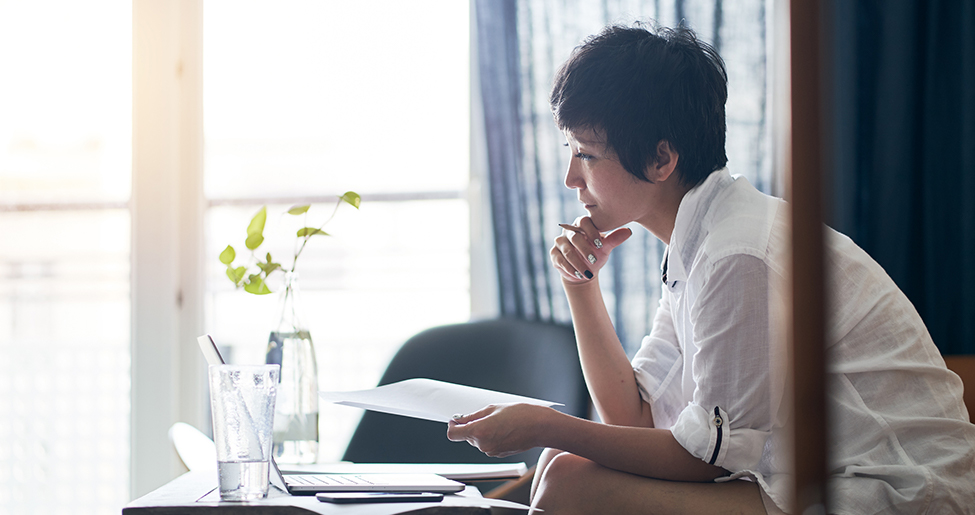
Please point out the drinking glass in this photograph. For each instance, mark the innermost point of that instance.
(242, 401)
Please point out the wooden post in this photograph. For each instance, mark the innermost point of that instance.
(808, 278)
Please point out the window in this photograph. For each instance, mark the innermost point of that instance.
(65, 168)
(292, 115)
(303, 102)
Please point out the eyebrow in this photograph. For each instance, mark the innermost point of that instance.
(592, 142)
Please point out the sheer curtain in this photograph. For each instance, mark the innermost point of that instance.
(520, 45)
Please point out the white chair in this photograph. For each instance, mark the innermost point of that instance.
(195, 449)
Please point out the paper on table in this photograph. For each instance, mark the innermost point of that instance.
(427, 399)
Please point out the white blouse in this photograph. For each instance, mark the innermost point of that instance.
(713, 367)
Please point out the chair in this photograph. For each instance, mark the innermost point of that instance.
(195, 449)
(534, 359)
(964, 366)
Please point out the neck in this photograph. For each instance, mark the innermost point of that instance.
(661, 225)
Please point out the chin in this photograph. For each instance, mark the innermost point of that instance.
(603, 224)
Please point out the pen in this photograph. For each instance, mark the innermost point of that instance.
(572, 228)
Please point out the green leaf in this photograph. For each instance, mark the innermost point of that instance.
(236, 274)
(255, 231)
(228, 255)
(352, 198)
(299, 210)
(257, 223)
(310, 231)
(256, 286)
(269, 267)
(253, 241)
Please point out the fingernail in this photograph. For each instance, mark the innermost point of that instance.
(458, 416)
(598, 243)
(588, 274)
(579, 275)
(592, 259)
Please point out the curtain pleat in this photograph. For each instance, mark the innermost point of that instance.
(904, 181)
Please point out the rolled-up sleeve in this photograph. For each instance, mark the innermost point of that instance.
(657, 367)
(729, 417)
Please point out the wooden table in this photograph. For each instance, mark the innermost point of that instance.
(196, 493)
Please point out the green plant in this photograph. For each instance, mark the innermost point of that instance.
(253, 277)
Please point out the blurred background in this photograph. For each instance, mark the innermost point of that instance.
(287, 115)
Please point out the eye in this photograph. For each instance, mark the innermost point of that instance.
(580, 155)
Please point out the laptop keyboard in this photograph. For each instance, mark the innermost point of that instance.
(327, 479)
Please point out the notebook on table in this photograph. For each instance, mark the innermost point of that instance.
(311, 483)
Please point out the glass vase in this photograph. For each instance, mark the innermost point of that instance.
(296, 408)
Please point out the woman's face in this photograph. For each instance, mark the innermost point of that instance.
(612, 196)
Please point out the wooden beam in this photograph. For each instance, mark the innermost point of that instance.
(808, 279)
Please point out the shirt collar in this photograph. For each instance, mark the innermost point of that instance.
(690, 227)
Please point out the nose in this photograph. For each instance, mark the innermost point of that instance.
(573, 178)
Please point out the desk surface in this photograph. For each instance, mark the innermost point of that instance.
(196, 492)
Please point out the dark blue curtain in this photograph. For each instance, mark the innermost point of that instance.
(904, 139)
(520, 44)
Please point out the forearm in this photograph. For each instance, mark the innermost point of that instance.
(643, 451)
(607, 370)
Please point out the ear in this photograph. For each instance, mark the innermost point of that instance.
(665, 164)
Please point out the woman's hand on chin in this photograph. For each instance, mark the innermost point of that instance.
(581, 250)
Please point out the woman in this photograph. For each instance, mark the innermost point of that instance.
(695, 422)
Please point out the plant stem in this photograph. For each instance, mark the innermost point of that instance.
(308, 236)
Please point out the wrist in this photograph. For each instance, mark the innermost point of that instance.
(547, 430)
(591, 284)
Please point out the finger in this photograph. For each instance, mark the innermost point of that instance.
(574, 261)
(585, 247)
(586, 233)
(461, 419)
(567, 271)
(456, 433)
(558, 256)
(617, 237)
(586, 224)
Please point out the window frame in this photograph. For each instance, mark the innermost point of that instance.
(167, 235)
(168, 208)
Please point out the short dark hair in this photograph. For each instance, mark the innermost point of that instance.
(641, 85)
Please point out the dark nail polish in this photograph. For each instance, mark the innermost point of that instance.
(588, 274)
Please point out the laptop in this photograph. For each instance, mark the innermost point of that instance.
(310, 483)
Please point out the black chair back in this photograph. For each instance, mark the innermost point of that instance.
(534, 359)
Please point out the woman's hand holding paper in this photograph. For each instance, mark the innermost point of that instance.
(500, 430)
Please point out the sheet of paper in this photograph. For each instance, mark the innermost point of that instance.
(427, 399)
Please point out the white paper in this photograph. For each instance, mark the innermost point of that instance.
(427, 399)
